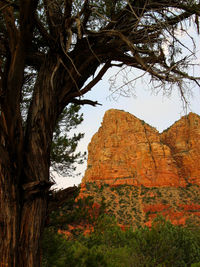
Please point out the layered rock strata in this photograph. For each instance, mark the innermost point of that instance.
(126, 150)
(157, 173)
(183, 139)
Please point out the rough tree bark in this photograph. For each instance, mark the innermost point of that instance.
(23, 198)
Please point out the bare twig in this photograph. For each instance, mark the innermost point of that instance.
(89, 86)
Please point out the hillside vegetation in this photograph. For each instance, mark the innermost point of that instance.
(162, 245)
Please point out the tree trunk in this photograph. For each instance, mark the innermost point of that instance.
(32, 224)
(24, 186)
(9, 216)
(20, 229)
(25, 158)
(22, 218)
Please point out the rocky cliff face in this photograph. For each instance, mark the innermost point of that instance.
(127, 152)
(183, 139)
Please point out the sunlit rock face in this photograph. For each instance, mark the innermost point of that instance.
(126, 150)
(142, 173)
(183, 139)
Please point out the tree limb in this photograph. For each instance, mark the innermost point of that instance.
(27, 13)
(54, 17)
(58, 198)
(47, 37)
(89, 86)
(68, 9)
(34, 59)
(84, 102)
(12, 31)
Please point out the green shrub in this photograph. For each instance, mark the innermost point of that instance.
(162, 245)
(196, 264)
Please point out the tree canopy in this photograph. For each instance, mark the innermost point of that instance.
(108, 33)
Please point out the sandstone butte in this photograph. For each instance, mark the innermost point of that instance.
(126, 150)
(166, 166)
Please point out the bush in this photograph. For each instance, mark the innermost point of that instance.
(162, 245)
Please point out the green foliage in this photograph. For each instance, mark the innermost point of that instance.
(162, 245)
(72, 212)
(56, 247)
(63, 156)
(167, 245)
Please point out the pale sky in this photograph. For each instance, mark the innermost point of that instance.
(157, 110)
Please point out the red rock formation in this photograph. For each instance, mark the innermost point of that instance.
(126, 150)
(183, 138)
(164, 167)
